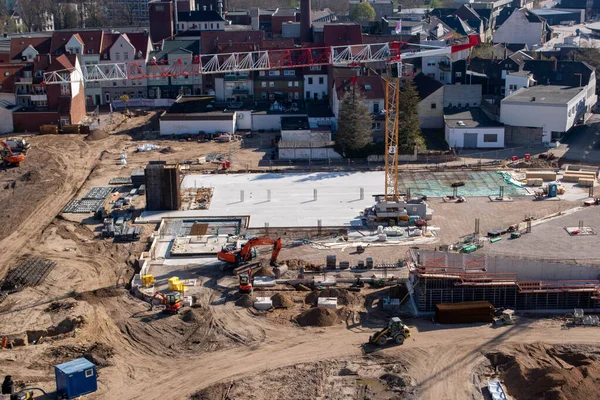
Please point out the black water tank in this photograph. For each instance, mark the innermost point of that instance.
(8, 386)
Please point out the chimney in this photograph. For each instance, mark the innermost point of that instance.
(505, 52)
(305, 21)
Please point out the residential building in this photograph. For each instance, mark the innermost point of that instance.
(342, 34)
(372, 89)
(189, 22)
(286, 86)
(170, 87)
(234, 87)
(161, 19)
(127, 48)
(560, 16)
(316, 86)
(555, 109)
(301, 141)
(431, 104)
(522, 26)
(60, 104)
(191, 115)
(585, 5)
(471, 128)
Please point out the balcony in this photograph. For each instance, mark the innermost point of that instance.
(24, 81)
(444, 65)
(235, 77)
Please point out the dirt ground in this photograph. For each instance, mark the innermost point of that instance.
(217, 350)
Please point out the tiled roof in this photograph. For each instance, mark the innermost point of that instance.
(18, 44)
(92, 41)
(425, 85)
(342, 34)
(371, 87)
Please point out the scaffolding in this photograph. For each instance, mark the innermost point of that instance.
(438, 282)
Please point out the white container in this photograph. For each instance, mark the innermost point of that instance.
(264, 281)
(263, 303)
(327, 302)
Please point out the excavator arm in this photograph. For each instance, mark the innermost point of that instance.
(276, 249)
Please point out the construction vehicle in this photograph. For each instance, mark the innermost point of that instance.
(171, 301)
(241, 257)
(396, 331)
(506, 318)
(246, 281)
(10, 157)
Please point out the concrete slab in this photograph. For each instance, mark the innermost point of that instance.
(289, 200)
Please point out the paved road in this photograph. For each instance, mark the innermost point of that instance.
(582, 143)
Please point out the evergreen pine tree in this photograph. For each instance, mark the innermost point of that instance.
(354, 123)
(409, 128)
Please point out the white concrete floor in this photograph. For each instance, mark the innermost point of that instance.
(292, 201)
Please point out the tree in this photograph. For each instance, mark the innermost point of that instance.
(362, 12)
(34, 13)
(355, 121)
(409, 129)
(125, 99)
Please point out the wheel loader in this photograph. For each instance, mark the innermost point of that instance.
(396, 331)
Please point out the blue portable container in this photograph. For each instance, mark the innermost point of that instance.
(552, 189)
(75, 378)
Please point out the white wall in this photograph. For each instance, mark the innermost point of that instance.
(305, 136)
(549, 117)
(320, 153)
(267, 121)
(519, 80)
(430, 67)
(517, 29)
(315, 87)
(201, 26)
(244, 120)
(455, 136)
(186, 127)
(75, 86)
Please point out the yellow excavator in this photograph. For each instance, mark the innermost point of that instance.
(396, 331)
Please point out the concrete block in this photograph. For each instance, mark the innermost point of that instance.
(324, 280)
(544, 175)
(264, 281)
(327, 302)
(584, 182)
(535, 181)
(263, 303)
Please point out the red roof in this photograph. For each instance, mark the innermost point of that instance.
(230, 41)
(108, 39)
(140, 41)
(92, 41)
(371, 87)
(18, 44)
(60, 62)
(270, 44)
(342, 34)
(8, 82)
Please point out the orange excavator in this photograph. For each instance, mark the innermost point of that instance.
(10, 156)
(172, 301)
(240, 257)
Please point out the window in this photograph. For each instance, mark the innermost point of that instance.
(261, 73)
(211, 25)
(89, 373)
(442, 76)
(315, 68)
(272, 84)
(290, 95)
(433, 106)
(290, 84)
(376, 126)
(126, 56)
(117, 56)
(217, 25)
(375, 108)
(296, 95)
(114, 83)
(490, 138)
(205, 26)
(263, 84)
(512, 87)
(159, 8)
(310, 81)
(458, 74)
(65, 90)
(296, 84)
(263, 95)
(289, 72)
(307, 94)
(321, 81)
(274, 73)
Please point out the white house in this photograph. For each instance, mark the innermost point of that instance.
(471, 128)
(522, 26)
(205, 20)
(517, 80)
(315, 83)
(555, 109)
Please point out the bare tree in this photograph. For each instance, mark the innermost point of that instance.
(34, 13)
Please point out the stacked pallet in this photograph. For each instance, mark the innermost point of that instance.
(585, 182)
(574, 176)
(543, 175)
(535, 181)
(465, 312)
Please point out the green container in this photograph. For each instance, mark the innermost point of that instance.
(496, 239)
(515, 235)
(469, 249)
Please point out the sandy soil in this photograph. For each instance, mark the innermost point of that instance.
(218, 350)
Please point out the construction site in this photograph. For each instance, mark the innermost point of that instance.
(131, 257)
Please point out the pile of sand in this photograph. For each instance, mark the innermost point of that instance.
(318, 316)
(245, 300)
(188, 315)
(265, 270)
(344, 296)
(296, 264)
(540, 371)
(97, 134)
(281, 300)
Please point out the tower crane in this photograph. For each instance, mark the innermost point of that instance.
(390, 53)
